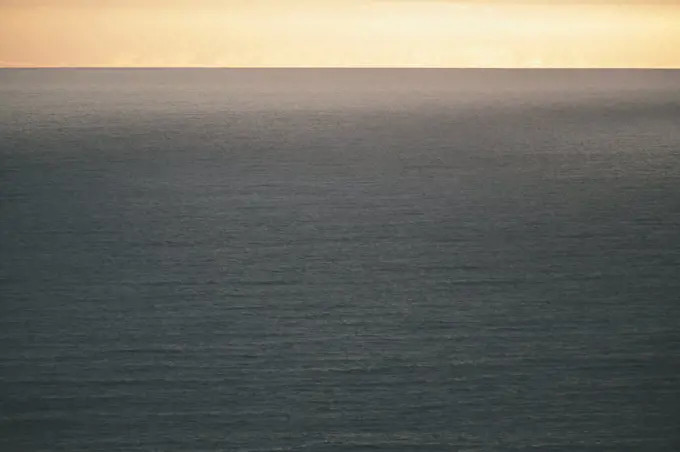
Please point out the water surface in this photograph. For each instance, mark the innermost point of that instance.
(339, 260)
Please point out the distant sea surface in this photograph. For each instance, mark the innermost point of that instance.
(339, 260)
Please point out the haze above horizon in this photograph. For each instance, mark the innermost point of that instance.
(335, 33)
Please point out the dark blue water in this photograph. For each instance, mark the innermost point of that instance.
(302, 260)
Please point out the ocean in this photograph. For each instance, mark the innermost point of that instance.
(339, 260)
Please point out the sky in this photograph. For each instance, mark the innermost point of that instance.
(339, 33)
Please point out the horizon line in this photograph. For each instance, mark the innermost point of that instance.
(674, 67)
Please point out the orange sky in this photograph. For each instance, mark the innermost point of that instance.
(434, 33)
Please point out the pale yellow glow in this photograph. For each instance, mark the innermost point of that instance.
(294, 33)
